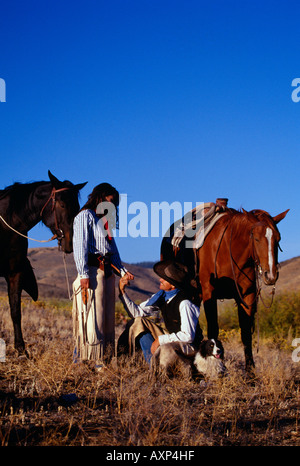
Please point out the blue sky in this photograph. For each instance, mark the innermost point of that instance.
(167, 100)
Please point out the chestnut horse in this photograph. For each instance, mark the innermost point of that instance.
(22, 206)
(241, 248)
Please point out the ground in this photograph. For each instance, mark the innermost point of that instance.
(47, 400)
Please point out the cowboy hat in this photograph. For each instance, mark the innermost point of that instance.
(173, 272)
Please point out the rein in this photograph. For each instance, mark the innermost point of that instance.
(24, 236)
(53, 199)
(258, 273)
(234, 276)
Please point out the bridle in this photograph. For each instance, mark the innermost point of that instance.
(254, 253)
(258, 271)
(59, 232)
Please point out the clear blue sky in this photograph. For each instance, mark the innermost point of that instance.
(167, 100)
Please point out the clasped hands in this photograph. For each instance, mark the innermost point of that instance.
(85, 285)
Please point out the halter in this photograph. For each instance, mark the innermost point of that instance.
(52, 198)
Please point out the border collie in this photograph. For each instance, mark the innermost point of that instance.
(171, 357)
(208, 360)
(205, 362)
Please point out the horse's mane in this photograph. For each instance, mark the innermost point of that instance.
(19, 188)
(18, 194)
(262, 215)
(243, 217)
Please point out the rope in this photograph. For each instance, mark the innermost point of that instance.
(44, 241)
(67, 277)
(24, 236)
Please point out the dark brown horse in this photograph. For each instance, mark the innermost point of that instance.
(241, 248)
(22, 206)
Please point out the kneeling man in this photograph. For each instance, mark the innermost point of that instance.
(180, 315)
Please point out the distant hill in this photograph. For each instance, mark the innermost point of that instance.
(289, 275)
(49, 269)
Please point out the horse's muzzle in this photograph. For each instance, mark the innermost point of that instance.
(270, 278)
(65, 243)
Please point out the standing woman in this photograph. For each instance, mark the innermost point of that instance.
(97, 260)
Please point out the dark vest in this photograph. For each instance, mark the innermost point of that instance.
(171, 316)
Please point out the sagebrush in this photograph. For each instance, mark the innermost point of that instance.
(47, 400)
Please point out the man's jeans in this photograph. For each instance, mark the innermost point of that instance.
(146, 341)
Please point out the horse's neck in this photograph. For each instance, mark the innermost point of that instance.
(37, 198)
(241, 234)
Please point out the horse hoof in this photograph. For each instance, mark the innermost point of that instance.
(22, 354)
(250, 375)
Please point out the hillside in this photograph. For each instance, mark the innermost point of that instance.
(289, 275)
(49, 269)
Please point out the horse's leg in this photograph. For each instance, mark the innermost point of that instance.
(246, 324)
(14, 295)
(211, 313)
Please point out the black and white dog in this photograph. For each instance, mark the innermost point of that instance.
(206, 362)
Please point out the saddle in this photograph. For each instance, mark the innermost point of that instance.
(197, 223)
(201, 220)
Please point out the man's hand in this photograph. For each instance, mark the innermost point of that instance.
(85, 284)
(155, 345)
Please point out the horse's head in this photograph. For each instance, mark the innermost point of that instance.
(266, 237)
(63, 207)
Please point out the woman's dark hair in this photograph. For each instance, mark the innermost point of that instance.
(99, 194)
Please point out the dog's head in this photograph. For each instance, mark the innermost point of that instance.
(213, 348)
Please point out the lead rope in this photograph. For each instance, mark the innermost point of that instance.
(67, 277)
(44, 241)
(24, 236)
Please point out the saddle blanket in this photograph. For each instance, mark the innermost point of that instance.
(196, 224)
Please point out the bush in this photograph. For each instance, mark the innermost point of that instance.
(283, 317)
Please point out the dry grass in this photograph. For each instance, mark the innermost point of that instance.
(47, 400)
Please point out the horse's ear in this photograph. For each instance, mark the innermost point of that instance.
(280, 217)
(80, 186)
(54, 181)
(244, 211)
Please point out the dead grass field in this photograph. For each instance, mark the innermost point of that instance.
(49, 401)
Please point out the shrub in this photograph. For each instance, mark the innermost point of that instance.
(283, 317)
